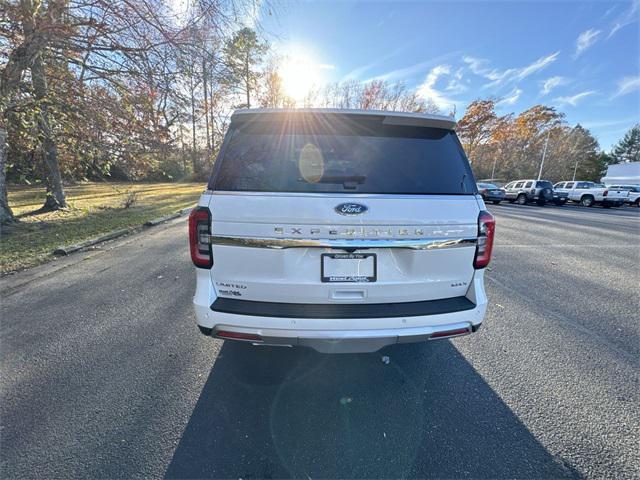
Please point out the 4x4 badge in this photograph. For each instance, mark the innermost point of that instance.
(351, 209)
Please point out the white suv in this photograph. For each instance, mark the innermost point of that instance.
(341, 230)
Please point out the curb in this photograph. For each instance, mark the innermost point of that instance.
(157, 221)
(118, 233)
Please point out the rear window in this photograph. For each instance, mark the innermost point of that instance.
(340, 154)
(543, 184)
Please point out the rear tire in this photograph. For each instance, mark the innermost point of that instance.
(496, 202)
(587, 201)
(637, 202)
(606, 205)
(522, 199)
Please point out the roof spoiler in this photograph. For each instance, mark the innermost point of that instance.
(387, 117)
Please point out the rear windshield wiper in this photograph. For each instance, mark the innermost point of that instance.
(349, 182)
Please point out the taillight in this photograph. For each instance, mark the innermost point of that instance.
(605, 193)
(486, 231)
(199, 231)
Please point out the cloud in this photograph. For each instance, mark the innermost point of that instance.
(357, 72)
(585, 40)
(552, 82)
(455, 85)
(627, 85)
(573, 100)
(428, 88)
(411, 70)
(479, 67)
(497, 77)
(536, 66)
(476, 65)
(624, 19)
(608, 123)
(511, 98)
(403, 72)
(609, 12)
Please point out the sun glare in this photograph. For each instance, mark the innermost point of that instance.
(300, 73)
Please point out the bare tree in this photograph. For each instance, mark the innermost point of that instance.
(374, 95)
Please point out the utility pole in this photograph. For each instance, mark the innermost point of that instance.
(544, 154)
(493, 170)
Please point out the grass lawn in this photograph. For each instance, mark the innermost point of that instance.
(95, 209)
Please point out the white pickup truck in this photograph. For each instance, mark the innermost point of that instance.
(634, 193)
(589, 194)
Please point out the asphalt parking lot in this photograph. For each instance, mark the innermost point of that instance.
(105, 375)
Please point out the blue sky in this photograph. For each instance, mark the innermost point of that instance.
(582, 57)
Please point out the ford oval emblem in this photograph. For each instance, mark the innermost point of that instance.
(351, 209)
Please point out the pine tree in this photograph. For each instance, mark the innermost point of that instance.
(628, 148)
(242, 54)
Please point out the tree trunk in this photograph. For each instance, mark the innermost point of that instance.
(6, 215)
(193, 129)
(211, 119)
(247, 80)
(206, 103)
(55, 192)
(184, 154)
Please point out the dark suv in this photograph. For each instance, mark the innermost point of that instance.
(538, 191)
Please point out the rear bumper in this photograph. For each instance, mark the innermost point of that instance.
(337, 333)
(346, 341)
(494, 198)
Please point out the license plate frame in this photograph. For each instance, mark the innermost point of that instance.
(348, 278)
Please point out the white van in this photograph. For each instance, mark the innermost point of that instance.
(341, 230)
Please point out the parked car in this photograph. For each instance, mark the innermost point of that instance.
(634, 193)
(308, 234)
(538, 191)
(491, 193)
(589, 194)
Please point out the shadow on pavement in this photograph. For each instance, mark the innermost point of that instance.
(276, 412)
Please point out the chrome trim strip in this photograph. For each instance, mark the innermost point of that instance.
(282, 243)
